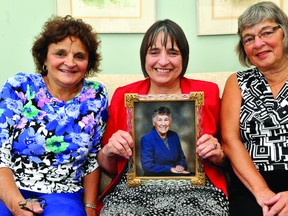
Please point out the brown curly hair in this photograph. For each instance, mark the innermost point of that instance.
(58, 28)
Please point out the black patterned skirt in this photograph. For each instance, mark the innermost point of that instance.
(165, 197)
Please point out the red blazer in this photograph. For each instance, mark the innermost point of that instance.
(210, 122)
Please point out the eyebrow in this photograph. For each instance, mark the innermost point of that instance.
(265, 27)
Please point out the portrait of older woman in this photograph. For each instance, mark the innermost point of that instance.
(161, 151)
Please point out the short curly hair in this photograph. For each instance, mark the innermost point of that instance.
(58, 28)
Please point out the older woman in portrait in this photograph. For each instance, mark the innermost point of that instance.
(254, 115)
(161, 151)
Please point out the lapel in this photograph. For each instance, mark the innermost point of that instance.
(162, 147)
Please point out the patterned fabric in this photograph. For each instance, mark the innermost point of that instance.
(264, 121)
(50, 144)
(165, 197)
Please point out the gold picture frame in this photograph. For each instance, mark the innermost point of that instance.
(105, 16)
(186, 111)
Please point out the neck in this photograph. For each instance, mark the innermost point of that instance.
(277, 75)
(165, 89)
(62, 93)
(277, 78)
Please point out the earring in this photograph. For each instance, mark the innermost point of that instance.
(44, 68)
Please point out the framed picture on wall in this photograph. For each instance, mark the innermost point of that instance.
(165, 129)
(216, 17)
(111, 16)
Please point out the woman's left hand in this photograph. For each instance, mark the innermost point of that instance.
(209, 148)
(277, 205)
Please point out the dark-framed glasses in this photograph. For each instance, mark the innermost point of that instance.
(23, 203)
(265, 33)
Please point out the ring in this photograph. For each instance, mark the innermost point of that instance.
(215, 146)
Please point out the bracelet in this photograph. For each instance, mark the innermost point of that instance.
(90, 205)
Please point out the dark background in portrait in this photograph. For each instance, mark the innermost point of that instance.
(183, 123)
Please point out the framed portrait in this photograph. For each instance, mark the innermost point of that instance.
(217, 17)
(165, 129)
(111, 16)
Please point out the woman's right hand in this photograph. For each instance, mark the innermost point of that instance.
(120, 143)
(32, 209)
(263, 195)
(277, 205)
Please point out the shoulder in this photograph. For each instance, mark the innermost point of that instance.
(250, 74)
(211, 90)
(199, 85)
(231, 92)
(138, 87)
(132, 87)
(199, 82)
(22, 79)
(99, 87)
(148, 135)
(232, 85)
(173, 134)
(25, 76)
(94, 92)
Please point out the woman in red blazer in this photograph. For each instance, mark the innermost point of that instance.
(164, 57)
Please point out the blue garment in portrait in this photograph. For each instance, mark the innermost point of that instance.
(155, 156)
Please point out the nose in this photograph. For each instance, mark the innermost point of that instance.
(163, 59)
(258, 42)
(69, 61)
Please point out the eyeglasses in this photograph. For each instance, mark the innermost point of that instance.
(22, 204)
(265, 33)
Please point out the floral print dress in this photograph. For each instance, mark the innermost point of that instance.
(50, 144)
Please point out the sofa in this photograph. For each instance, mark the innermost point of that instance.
(112, 81)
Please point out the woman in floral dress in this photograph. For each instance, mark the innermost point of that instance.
(51, 125)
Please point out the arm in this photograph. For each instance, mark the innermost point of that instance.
(10, 194)
(240, 159)
(120, 144)
(91, 188)
(117, 142)
(208, 146)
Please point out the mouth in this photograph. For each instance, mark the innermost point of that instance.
(67, 71)
(260, 54)
(162, 70)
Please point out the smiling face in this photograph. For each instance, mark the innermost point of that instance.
(265, 53)
(164, 63)
(162, 124)
(66, 63)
